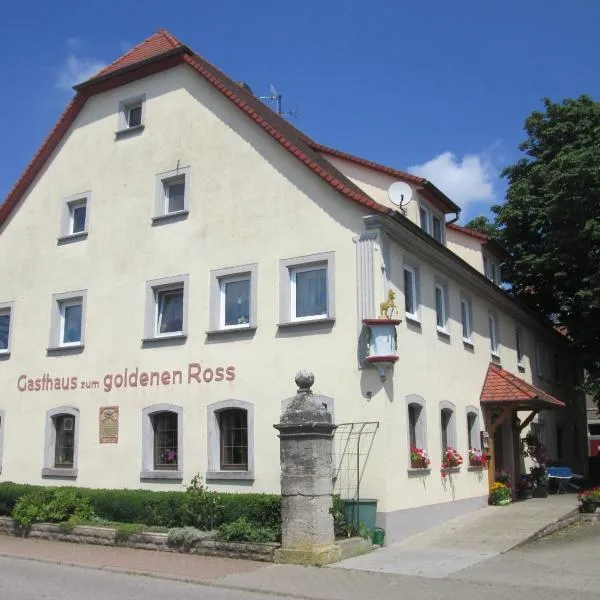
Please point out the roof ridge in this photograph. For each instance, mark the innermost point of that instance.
(522, 386)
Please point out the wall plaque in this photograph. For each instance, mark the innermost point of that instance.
(109, 425)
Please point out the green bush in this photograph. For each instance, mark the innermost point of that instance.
(340, 524)
(184, 538)
(51, 505)
(196, 507)
(244, 531)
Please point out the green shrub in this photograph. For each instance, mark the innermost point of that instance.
(340, 525)
(201, 508)
(10, 494)
(123, 531)
(51, 505)
(244, 531)
(263, 509)
(184, 538)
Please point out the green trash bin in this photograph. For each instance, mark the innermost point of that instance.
(364, 511)
(378, 536)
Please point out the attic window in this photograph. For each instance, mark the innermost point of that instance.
(131, 115)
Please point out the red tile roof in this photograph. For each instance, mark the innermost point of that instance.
(502, 387)
(159, 43)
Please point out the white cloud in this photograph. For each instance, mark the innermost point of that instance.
(465, 181)
(77, 69)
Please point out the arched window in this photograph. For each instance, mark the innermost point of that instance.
(230, 440)
(61, 443)
(416, 421)
(162, 442)
(447, 425)
(473, 428)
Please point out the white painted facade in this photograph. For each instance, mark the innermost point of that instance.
(250, 203)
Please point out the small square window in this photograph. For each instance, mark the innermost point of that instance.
(131, 115)
(233, 298)
(75, 217)
(166, 308)
(235, 302)
(67, 328)
(172, 196)
(169, 311)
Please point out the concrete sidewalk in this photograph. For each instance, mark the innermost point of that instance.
(466, 540)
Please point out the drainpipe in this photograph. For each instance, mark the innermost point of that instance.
(455, 218)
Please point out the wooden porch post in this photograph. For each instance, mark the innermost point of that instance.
(489, 427)
(516, 444)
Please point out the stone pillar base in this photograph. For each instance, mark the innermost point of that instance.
(316, 557)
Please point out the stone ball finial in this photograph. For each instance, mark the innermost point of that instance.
(304, 380)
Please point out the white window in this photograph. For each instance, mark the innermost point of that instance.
(519, 344)
(466, 317)
(75, 217)
(438, 229)
(233, 298)
(61, 443)
(491, 270)
(307, 288)
(473, 428)
(441, 307)
(162, 442)
(131, 115)
(6, 318)
(494, 339)
(425, 219)
(230, 440)
(166, 308)
(67, 323)
(417, 422)
(172, 195)
(411, 292)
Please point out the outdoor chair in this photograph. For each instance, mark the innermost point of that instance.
(564, 478)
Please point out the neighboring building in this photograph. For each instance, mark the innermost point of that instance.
(178, 251)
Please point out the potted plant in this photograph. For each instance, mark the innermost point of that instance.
(539, 475)
(419, 458)
(589, 499)
(500, 494)
(504, 477)
(451, 459)
(477, 458)
(525, 489)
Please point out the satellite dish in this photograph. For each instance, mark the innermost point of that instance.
(400, 193)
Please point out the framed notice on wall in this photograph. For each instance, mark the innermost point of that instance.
(109, 424)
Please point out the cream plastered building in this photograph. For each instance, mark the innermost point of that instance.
(167, 193)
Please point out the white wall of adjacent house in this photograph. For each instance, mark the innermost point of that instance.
(250, 202)
(467, 247)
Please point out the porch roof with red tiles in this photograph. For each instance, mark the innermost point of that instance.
(503, 388)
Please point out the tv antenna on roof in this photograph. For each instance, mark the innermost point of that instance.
(276, 98)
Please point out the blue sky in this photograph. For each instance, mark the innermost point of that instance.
(436, 87)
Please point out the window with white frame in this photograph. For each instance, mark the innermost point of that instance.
(425, 219)
(172, 195)
(473, 428)
(491, 269)
(67, 327)
(411, 292)
(519, 345)
(166, 308)
(466, 318)
(494, 334)
(441, 307)
(131, 114)
(61, 443)
(307, 292)
(162, 442)
(431, 222)
(6, 320)
(437, 229)
(230, 440)
(447, 425)
(233, 298)
(75, 216)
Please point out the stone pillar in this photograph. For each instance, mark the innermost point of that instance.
(306, 444)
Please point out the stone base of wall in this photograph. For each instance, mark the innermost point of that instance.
(106, 536)
(401, 524)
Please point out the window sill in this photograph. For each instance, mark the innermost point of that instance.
(232, 330)
(65, 350)
(443, 333)
(418, 472)
(165, 340)
(72, 237)
(122, 133)
(496, 358)
(230, 475)
(475, 468)
(59, 473)
(4, 354)
(325, 321)
(412, 320)
(179, 215)
(166, 474)
(468, 344)
(521, 368)
(451, 470)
